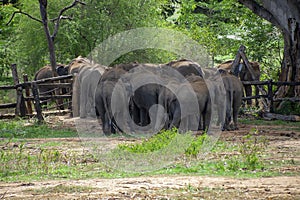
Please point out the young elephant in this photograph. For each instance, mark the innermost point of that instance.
(46, 72)
(234, 92)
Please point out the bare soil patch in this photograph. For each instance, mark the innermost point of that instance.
(283, 142)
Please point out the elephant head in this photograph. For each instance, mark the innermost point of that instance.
(62, 70)
(77, 64)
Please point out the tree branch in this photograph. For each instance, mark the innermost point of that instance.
(60, 16)
(259, 10)
(21, 12)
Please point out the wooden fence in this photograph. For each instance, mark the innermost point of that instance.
(267, 95)
(28, 93)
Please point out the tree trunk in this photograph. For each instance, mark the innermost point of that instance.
(286, 16)
(50, 40)
(290, 68)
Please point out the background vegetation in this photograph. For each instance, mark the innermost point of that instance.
(220, 26)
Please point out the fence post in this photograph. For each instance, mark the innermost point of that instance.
(20, 107)
(37, 104)
(270, 95)
(27, 94)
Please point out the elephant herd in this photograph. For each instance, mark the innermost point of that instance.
(137, 97)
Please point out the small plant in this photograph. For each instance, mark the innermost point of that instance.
(196, 145)
(154, 143)
(247, 156)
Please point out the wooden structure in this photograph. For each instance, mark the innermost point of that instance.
(23, 105)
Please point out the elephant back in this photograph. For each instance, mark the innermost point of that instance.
(77, 64)
(186, 67)
(44, 72)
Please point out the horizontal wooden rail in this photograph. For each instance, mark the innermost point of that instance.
(8, 87)
(56, 85)
(8, 105)
(50, 97)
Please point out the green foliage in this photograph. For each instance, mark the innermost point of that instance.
(195, 147)
(163, 139)
(88, 27)
(222, 26)
(219, 26)
(17, 161)
(154, 143)
(247, 157)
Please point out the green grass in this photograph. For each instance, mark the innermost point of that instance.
(267, 123)
(23, 129)
(24, 160)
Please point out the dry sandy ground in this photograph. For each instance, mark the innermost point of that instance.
(176, 186)
(162, 187)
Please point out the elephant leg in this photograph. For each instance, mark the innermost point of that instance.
(135, 113)
(206, 120)
(228, 113)
(106, 124)
(176, 118)
(144, 121)
(235, 114)
(248, 91)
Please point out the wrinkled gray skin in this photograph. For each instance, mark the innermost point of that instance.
(103, 106)
(234, 93)
(46, 72)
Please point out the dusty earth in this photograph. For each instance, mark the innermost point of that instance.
(282, 140)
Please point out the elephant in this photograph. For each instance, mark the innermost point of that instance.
(234, 93)
(46, 72)
(204, 100)
(186, 67)
(103, 100)
(77, 64)
(84, 86)
(181, 105)
(103, 96)
(141, 85)
(245, 75)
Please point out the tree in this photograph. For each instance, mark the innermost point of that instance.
(286, 16)
(44, 20)
(86, 27)
(222, 26)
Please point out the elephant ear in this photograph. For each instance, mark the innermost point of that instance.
(61, 70)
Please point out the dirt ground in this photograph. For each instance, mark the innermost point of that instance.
(281, 139)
